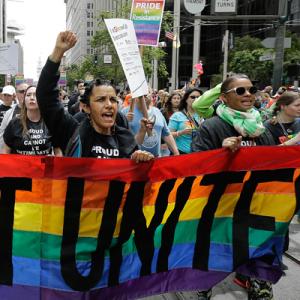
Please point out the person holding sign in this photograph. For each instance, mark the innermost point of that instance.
(150, 129)
(98, 135)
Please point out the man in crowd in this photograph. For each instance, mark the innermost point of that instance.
(8, 96)
(15, 111)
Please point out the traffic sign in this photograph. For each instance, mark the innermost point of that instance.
(270, 42)
(267, 56)
(194, 6)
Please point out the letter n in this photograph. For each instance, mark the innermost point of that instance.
(75, 191)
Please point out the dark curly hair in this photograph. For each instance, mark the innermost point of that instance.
(183, 104)
(85, 98)
(168, 105)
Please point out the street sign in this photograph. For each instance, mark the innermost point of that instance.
(224, 7)
(267, 56)
(194, 6)
(270, 42)
(107, 58)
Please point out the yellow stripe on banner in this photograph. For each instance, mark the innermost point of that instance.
(28, 217)
(192, 210)
(49, 219)
(281, 206)
(227, 205)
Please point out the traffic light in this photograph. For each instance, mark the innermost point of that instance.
(95, 59)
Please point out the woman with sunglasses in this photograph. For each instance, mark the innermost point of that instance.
(184, 122)
(233, 123)
(27, 133)
(98, 135)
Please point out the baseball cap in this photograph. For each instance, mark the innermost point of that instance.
(9, 90)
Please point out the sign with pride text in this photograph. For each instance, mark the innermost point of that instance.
(123, 36)
(113, 229)
(147, 17)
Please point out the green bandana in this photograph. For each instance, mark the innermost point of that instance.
(248, 124)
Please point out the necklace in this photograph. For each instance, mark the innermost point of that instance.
(285, 132)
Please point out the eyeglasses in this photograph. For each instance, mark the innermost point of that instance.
(242, 90)
(194, 97)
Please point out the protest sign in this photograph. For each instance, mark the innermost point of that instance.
(124, 38)
(147, 17)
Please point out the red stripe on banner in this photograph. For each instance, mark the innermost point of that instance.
(251, 158)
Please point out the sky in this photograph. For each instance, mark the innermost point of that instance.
(42, 20)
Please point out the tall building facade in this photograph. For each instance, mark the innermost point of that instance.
(295, 15)
(82, 18)
(3, 34)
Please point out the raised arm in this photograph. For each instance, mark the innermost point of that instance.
(60, 124)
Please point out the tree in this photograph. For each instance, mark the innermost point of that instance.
(244, 58)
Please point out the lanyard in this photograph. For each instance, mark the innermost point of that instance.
(191, 119)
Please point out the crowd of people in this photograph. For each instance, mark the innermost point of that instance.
(98, 121)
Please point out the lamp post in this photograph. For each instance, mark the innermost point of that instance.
(175, 50)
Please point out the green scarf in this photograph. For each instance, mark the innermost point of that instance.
(248, 124)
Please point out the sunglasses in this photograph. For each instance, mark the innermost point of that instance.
(194, 97)
(242, 90)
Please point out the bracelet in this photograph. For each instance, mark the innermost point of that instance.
(177, 134)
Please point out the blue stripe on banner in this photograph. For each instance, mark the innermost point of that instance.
(31, 272)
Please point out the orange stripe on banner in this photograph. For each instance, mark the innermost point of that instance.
(275, 187)
(95, 194)
(44, 191)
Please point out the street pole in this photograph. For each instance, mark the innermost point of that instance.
(279, 46)
(155, 74)
(197, 39)
(174, 80)
(225, 42)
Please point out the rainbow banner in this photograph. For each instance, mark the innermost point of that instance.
(146, 16)
(113, 229)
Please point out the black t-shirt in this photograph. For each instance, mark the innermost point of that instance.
(284, 131)
(104, 146)
(37, 141)
(3, 110)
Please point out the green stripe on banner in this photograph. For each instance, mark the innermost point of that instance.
(27, 244)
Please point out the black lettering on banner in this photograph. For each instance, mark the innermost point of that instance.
(242, 219)
(8, 187)
(168, 231)
(297, 193)
(74, 196)
(134, 219)
(202, 245)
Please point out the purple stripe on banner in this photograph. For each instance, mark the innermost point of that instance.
(176, 280)
(146, 35)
